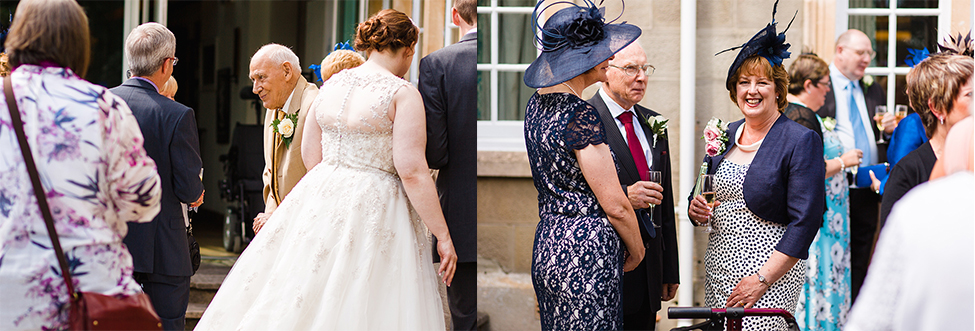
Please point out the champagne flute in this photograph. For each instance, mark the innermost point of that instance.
(878, 118)
(655, 177)
(901, 112)
(707, 190)
(853, 170)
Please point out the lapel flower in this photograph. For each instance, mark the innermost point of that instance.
(715, 137)
(829, 123)
(657, 125)
(285, 127)
(867, 81)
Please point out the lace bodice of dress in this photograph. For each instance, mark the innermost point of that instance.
(352, 108)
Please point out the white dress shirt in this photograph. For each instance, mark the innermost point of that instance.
(844, 129)
(615, 109)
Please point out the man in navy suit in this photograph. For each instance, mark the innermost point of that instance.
(632, 141)
(160, 252)
(448, 79)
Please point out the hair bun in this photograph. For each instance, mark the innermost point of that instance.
(388, 29)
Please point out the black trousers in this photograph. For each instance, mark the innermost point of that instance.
(864, 216)
(635, 285)
(170, 295)
(462, 296)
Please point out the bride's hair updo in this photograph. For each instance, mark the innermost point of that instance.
(388, 29)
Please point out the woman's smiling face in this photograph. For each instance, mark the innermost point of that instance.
(756, 94)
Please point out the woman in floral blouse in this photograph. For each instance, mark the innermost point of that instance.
(89, 154)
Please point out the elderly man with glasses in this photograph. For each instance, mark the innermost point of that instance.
(639, 149)
(853, 102)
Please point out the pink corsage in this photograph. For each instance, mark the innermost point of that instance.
(715, 137)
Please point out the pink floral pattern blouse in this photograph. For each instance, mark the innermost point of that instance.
(97, 176)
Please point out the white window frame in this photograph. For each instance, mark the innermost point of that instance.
(843, 13)
(494, 134)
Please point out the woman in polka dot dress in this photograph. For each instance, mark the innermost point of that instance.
(769, 191)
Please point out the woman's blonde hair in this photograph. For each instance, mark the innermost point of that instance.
(807, 66)
(937, 79)
(340, 60)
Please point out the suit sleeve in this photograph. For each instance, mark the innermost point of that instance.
(431, 89)
(670, 257)
(806, 196)
(184, 153)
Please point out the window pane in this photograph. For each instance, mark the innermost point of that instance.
(483, 95)
(869, 4)
(915, 32)
(483, 3)
(917, 4)
(876, 29)
(517, 3)
(513, 96)
(516, 36)
(484, 39)
(900, 98)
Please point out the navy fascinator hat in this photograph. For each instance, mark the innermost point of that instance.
(574, 40)
(766, 43)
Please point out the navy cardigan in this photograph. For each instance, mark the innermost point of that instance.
(785, 182)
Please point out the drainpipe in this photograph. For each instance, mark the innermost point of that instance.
(688, 71)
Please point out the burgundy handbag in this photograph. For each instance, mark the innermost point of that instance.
(88, 310)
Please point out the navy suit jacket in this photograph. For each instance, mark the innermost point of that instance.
(448, 84)
(661, 257)
(171, 139)
(785, 182)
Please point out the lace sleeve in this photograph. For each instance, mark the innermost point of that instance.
(584, 127)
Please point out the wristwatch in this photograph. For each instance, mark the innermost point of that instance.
(763, 280)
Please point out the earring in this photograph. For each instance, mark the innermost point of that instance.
(942, 121)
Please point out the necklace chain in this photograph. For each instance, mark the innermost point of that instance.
(570, 89)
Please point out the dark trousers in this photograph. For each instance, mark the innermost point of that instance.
(864, 215)
(169, 295)
(462, 296)
(635, 296)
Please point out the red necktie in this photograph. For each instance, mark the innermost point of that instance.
(634, 144)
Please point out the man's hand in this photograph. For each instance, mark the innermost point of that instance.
(890, 123)
(259, 221)
(668, 291)
(641, 194)
(199, 201)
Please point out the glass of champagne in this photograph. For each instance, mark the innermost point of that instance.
(901, 112)
(655, 177)
(707, 190)
(878, 118)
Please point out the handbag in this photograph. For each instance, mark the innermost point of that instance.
(87, 310)
(194, 248)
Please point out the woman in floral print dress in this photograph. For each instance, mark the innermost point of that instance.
(88, 150)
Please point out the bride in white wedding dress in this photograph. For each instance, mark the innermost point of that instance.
(347, 250)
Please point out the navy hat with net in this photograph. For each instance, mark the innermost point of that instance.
(766, 43)
(574, 40)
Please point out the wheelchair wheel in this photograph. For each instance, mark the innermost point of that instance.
(231, 231)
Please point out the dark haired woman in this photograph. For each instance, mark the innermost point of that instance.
(769, 188)
(347, 249)
(586, 222)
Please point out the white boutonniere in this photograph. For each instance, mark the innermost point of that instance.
(715, 137)
(657, 125)
(285, 127)
(867, 81)
(829, 123)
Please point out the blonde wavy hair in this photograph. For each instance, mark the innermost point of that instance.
(340, 60)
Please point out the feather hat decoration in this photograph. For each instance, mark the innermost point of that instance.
(960, 45)
(766, 43)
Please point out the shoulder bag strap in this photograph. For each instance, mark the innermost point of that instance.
(18, 126)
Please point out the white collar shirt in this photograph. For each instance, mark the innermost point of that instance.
(615, 109)
(844, 129)
(287, 104)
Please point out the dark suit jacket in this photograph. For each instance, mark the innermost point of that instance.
(171, 140)
(784, 183)
(873, 96)
(661, 257)
(448, 79)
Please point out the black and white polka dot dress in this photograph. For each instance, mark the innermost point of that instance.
(738, 247)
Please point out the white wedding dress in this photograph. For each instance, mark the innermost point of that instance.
(345, 250)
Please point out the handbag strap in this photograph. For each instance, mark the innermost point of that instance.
(36, 180)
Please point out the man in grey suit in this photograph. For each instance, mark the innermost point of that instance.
(160, 252)
(632, 141)
(448, 79)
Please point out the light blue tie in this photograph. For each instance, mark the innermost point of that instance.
(859, 132)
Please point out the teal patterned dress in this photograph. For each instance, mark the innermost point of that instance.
(825, 299)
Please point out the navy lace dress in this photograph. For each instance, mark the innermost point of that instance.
(577, 260)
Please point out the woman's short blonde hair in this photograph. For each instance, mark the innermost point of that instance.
(809, 67)
(937, 79)
(760, 66)
(340, 60)
(169, 89)
(50, 30)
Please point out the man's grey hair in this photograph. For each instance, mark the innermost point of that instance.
(147, 46)
(279, 54)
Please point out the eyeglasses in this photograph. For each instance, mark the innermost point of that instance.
(633, 70)
(175, 60)
(869, 53)
(827, 83)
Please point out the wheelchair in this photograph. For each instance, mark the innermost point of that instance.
(243, 187)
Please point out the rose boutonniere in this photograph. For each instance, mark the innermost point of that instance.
(285, 127)
(829, 123)
(715, 137)
(657, 125)
(867, 81)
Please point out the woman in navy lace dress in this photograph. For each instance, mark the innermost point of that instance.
(578, 258)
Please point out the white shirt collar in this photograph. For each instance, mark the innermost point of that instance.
(840, 81)
(287, 104)
(614, 108)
